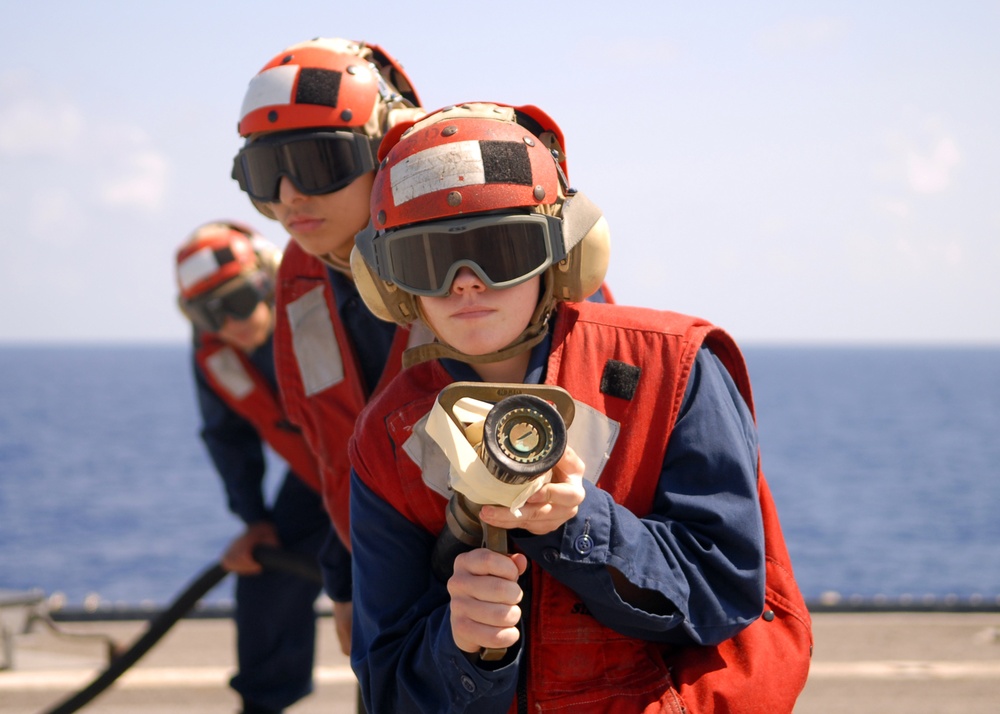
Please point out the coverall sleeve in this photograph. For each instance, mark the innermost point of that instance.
(694, 566)
(402, 649)
(335, 567)
(236, 450)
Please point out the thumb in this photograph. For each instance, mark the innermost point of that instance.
(521, 561)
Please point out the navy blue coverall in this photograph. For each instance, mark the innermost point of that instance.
(275, 617)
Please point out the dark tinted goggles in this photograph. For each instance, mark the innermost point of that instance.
(315, 162)
(209, 312)
(502, 250)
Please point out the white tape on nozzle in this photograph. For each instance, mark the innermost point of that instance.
(468, 474)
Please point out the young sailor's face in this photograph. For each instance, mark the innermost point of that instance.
(248, 334)
(476, 319)
(326, 223)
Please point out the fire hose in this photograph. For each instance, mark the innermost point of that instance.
(502, 441)
(271, 558)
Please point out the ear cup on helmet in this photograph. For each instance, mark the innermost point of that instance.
(592, 255)
(588, 240)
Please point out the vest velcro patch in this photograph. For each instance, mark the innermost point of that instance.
(314, 342)
(620, 379)
(228, 371)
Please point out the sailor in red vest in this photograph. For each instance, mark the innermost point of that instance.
(646, 570)
(312, 118)
(225, 274)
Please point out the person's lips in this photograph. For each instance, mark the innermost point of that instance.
(302, 224)
(472, 310)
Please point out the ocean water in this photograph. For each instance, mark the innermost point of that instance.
(884, 463)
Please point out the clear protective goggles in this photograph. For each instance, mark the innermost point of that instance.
(316, 162)
(503, 250)
(236, 300)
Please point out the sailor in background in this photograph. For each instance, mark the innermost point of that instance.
(225, 274)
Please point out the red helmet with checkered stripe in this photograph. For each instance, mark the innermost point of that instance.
(325, 82)
(214, 254)
(478, 160)
(468, 163)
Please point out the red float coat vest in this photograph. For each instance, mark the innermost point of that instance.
(318, 374)
(575, 663)
(241, 385)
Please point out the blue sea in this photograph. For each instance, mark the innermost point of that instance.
(884, 463)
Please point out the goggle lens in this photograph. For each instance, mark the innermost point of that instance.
(316, 163)
(209, 312)
(503, 251)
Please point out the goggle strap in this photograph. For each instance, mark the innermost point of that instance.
(373, 144)
(365, 242)
(579, 214)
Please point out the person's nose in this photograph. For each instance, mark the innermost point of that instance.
(230, 322)
(467, 279)
(287, 193)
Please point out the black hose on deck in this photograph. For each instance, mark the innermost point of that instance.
(158, 627)
(286, 561)
(271, 558)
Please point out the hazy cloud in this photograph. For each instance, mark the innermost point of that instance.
(55, 217)
(923, 159)
(118, 163)
(929, 169)
(628, 53)
(894, 207)
(32, 124)
(802, 34)
(924, 254)
(139, 180)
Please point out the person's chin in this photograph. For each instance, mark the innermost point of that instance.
(478, 349)
(314, 245)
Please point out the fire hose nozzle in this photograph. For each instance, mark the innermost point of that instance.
(523, 437)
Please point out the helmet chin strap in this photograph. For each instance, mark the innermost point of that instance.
(338, 264)
(531, 335)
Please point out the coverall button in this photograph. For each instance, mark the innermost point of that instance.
(768, 615)
(468, 684)
(583, 544)
(550, 555)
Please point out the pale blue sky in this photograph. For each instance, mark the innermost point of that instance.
(794, 171)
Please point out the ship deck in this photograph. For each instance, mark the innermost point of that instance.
(878, 663)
